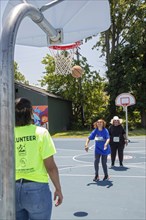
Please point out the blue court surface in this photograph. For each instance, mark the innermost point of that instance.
(122, 197)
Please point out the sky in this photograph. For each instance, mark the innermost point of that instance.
(29, 58)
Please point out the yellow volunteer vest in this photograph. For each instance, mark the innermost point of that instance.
(33, 144)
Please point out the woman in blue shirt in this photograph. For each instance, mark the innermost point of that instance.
(101, 136)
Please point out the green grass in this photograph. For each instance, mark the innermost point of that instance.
(85, 133)
(137, 132)
(72, 134)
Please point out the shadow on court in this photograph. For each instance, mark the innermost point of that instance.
(80, 214)
(106, 183)
(119, 168)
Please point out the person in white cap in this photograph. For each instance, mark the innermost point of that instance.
(118, 140)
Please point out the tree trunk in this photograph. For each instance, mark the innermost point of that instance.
(143, 118)
(107, 48)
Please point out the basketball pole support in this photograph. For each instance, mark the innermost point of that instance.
(81, 92)
(125, 100)
(7, 96)
(125, 109)
(126, 115)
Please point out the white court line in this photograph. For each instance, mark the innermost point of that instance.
(88, 156)
(91, 149)
(134, 147)
(80, 161)
(135, 165)
(135, 151)
(65, 156)
(111, 176)
(143, 162)
(82, 166)
(63, 149)
(73, 167)
(126, 150)
(140, 167)
(92, 146)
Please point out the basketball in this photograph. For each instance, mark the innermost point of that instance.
(77, 71)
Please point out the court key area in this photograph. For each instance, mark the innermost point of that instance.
(122, 197)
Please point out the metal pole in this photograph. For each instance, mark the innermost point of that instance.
(7, 45)
(126, 113)
(81, 92)
(49, 5)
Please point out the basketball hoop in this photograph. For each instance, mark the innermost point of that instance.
(124, 107)
(63, 57)
(125, 99)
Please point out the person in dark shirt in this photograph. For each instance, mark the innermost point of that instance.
(118, 140)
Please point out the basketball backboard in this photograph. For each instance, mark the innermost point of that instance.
(77, 20)
(125, 99)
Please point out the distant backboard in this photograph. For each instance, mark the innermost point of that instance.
(78, 19)
(125, 99)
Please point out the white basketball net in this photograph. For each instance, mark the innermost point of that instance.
(63, 63)
(63, 58)
(124, 108)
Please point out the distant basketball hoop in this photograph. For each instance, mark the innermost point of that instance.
(125, 99)
(63, 57)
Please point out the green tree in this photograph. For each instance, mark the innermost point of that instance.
(87, 94)
(19, 76)
(124, 45)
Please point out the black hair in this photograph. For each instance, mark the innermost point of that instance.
(23, 112)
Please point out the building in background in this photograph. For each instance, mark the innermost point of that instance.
(50, 111)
